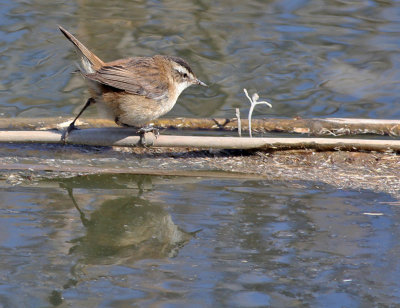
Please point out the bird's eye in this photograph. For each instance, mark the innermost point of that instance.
(185, 75)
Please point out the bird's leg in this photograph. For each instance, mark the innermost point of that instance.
(71, 127)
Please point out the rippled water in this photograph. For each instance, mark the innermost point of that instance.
(110, 241)
(308, 58)
(113, 241)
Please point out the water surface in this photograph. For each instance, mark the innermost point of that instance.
(309, 58)
(110, 241)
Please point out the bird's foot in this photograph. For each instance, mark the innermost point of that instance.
(149, 129)
(66, 133)
(147, 139)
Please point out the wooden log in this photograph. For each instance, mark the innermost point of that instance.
(126, 137)
(315, 127)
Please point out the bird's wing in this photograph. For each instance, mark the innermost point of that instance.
(139, 76)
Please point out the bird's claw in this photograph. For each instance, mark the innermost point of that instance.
(149, 129)
(66, 133)
(144, 139)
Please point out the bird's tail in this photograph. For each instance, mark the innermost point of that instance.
(90, 62)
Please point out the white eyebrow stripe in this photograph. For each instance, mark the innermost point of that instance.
(181, 69)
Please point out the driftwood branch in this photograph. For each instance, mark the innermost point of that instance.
(124, 137)
(314, 127)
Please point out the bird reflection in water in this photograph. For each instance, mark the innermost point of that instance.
(120, 231)
(127, 229)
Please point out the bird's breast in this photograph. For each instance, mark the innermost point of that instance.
(136, 110)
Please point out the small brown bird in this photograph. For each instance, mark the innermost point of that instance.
(132, 91)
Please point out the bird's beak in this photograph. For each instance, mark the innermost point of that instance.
(198, 81)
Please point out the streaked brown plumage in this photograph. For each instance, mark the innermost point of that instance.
(132, 91)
